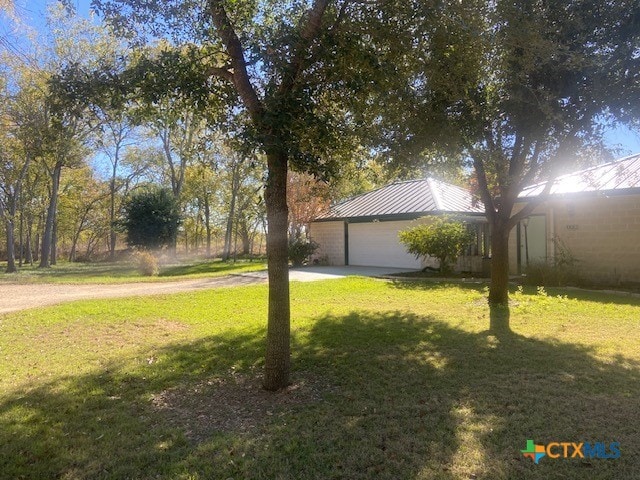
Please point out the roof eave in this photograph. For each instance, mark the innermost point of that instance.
(577, 195)
(396, 216)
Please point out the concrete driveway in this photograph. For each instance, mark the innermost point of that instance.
(313, 273)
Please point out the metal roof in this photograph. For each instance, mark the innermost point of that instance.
(413, 198)
(621, 175)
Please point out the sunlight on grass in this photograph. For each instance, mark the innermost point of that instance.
(470, 459)
(391, 380)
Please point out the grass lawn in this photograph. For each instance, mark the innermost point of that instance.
(391, 381)
(123, 272)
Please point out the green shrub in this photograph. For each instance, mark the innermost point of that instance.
(444, 238)
(300, 249)
(151, 218)
(147, 264)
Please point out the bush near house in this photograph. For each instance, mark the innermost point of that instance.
(443, 238)
(561, 273)
(300, 249)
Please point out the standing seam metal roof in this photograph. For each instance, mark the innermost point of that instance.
(622, 174)
(410, 197)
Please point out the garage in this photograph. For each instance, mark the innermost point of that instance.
(377, 245)
(363, 231)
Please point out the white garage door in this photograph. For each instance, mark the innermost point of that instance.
(377, 245)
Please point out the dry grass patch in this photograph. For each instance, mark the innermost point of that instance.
(234, 404)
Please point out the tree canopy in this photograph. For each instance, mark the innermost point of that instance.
(297, 72)
(518, 92)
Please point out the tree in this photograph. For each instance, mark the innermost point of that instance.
(21, 114)
(115, 135)
(151, 218)
(516, 91)
(64, 148)
(443, 238)
(289, 65)
(81, 207)
(73, 41)
(201, 185)
(307, 200)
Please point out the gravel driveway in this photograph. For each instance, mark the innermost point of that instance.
(20, 297)
(15, 297)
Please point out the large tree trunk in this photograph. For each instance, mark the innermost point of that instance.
(246, 240)
(278, 361)
(9, 217)
(36, 246)
(244, 233)
(499, 289)
(21, 238)
(47, 236)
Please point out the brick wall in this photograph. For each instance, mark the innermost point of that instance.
(603, 233)
(330, 237)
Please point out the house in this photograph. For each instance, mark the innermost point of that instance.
(364, 230)
(592, 215)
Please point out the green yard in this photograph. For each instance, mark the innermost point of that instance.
(391, 381)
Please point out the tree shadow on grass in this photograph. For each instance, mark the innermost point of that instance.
(621, 298)
(430, 285)
(376, 395)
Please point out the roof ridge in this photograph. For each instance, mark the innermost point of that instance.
(434, 193)
(397, 182)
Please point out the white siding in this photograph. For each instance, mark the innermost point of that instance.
(376, 244)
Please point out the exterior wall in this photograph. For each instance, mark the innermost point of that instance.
(602, 233)
(376, 244)
(330, 237)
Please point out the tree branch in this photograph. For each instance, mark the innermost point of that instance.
(308, 33)
(239, 73)
(534, 166)
(341, 15)
(483, 184)
(532, 204)
(223, 73)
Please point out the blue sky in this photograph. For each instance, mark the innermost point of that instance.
(629, 141)
(32, 15)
